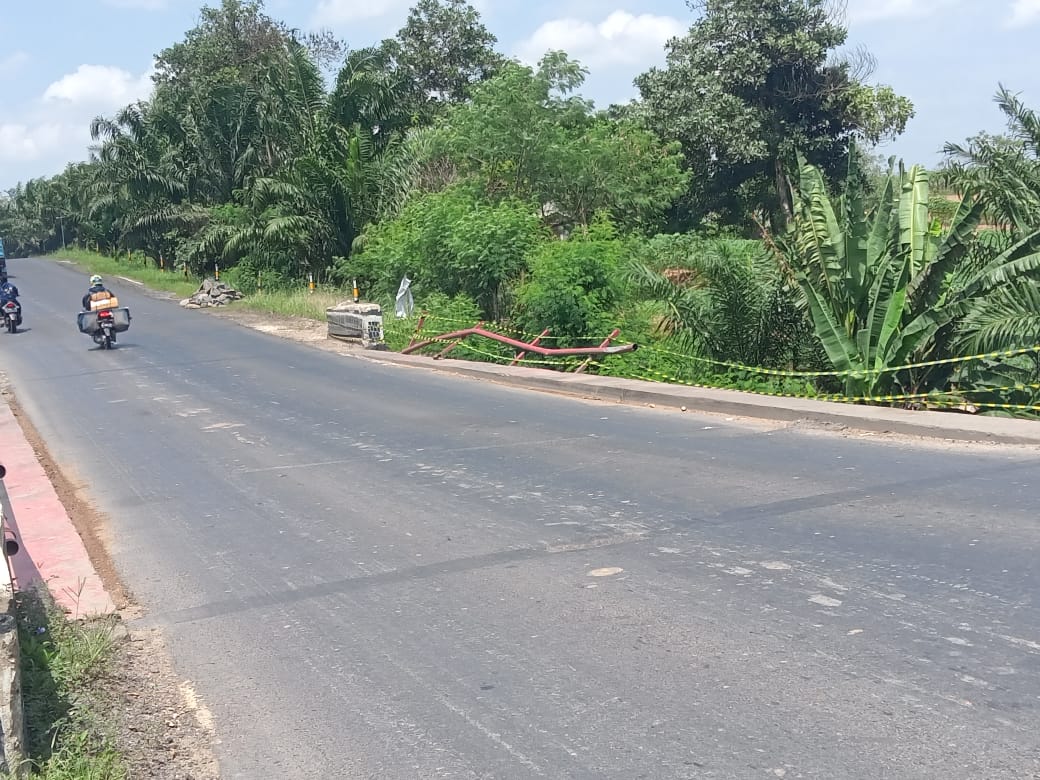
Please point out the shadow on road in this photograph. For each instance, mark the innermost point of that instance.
(119, 345)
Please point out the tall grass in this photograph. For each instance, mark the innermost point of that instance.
(64, 667)
(293, 302)
(136, 267)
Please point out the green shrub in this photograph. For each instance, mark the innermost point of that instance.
(453, 242)
(573, 288)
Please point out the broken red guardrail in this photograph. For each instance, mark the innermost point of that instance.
(456, 337)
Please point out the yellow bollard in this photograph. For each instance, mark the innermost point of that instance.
(216, 271)
(357, 294)
(310, 282)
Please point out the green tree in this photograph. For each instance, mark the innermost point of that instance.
(725, 299)
(753, 84)
(231, 41)
(312, 212)
(453, 242)
(235, 96)
(373, 93)
(523, 136)
(137, 179)
(573, 286)
(443, 51)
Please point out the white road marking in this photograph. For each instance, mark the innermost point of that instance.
(223, 426)
(825, 601)
(1026, 643)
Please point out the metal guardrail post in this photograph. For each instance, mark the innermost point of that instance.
(455, 343)
(606, 343)
(534, 343)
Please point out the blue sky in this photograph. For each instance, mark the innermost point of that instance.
(65, 61)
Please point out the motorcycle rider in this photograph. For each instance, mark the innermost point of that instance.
(98, 292)
(94, 293)
(8, 292)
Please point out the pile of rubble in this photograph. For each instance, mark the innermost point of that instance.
(211, 293)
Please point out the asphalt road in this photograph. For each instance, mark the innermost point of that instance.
(369, 571)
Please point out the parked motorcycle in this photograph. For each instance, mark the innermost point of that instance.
(103, 325)
(12, 314)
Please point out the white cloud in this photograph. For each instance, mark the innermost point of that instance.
(100, 86)
(882, 10)
(27, 143)
(12, 63)
(55, 127)
(334, 13)
(1024, 12)
(620, 39)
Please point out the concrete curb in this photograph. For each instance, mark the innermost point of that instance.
(52, 552)
(949, 426)
(51, 555)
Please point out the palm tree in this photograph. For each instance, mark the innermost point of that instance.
(137, 179)
(1004, 170)
(729, 303)
(314, 209)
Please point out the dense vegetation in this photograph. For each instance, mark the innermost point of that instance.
(727, 218)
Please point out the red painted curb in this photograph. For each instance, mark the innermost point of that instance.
(52, 551)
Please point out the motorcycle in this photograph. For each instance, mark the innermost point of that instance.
(105, 335)
(103, 325)
(12, 314)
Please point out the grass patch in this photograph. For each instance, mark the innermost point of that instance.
(294, 303)
(69, 730)
(136, 267)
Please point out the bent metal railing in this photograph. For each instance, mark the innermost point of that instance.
(456, 337)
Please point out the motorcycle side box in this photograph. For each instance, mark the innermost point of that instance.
(88, 321)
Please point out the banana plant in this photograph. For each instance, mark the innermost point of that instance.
(881, 289)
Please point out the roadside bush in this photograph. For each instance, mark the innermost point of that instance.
(452, 242)
(573, 287)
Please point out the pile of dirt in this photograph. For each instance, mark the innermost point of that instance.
(211, 293)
